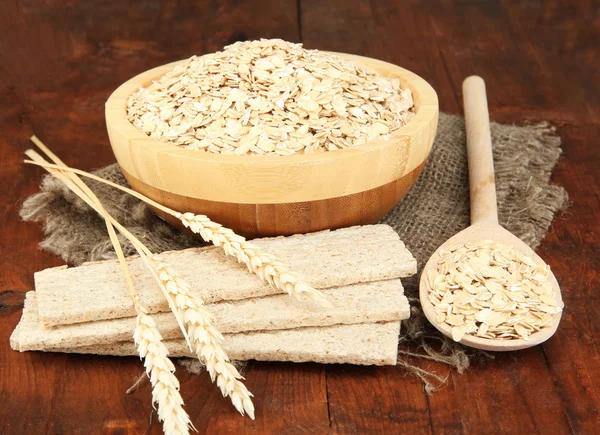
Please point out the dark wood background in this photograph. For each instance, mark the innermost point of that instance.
(59, 61)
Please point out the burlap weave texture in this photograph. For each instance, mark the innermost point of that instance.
(436, 208)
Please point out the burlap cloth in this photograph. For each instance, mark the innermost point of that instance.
(436, 208)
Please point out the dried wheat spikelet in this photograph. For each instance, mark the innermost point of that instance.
(160, 369)
(184, 306)
(265, 265)
(72, 181)
(206, 339)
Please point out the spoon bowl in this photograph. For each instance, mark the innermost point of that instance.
(475, 233)
(484, 222)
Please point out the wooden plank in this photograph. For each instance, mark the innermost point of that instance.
(54, 393)
(289, 398)
(400, 35)
(479, 38)
(514, 393)
(382, 400)
(540, 60)
(59, 63)
(376, 401)
(538, 96)
(572, 27)
(573, 355)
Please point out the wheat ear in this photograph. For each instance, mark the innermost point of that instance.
(159, 368)
(263, 264)
(206, 339)
(184, 305)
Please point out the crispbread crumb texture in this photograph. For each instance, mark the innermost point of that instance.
(368, 303)
(364, 344)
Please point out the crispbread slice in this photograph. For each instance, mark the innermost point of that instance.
(96, 291)
(364, 344)
(14, 337)
(358, 303)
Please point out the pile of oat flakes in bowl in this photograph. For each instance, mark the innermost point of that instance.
(270, 97)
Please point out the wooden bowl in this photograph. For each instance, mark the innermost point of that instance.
(278, 195)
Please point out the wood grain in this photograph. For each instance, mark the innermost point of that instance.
(465, 38)
(59, 62)
(254, 220)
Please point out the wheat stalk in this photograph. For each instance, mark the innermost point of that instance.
(81, 189)
(159, 368)
(264, 264)
(184, 305)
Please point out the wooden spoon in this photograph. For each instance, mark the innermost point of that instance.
(484, 219)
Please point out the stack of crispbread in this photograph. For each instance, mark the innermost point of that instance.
(87, 309)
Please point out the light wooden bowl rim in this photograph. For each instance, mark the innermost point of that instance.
(426, 103)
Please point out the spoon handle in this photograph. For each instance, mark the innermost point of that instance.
(482, 185)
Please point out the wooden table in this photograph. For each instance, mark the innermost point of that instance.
(59, 61)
